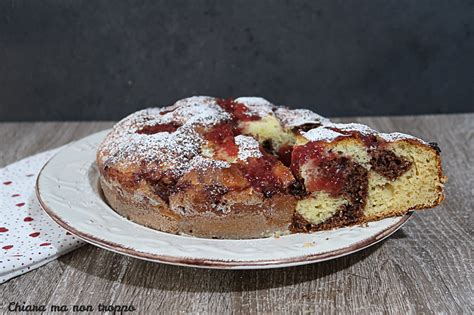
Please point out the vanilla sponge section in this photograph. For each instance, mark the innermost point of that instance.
(319, 207)
(268, 128)
(420, 187)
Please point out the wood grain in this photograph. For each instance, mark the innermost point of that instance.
(426, 267)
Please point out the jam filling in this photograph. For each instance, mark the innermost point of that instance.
(311, 151)
(329, 175)
(284, 154)
(327, 171)
(149, 130)
(222, 137)
(370, 141)
(262, 173)
(352, 183)
(237, 110)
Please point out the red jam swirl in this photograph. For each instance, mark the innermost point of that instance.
(237, 110)
(327, 174)
(302, 154)
(329, 177)
(261, 173)
(222, 136)
(370, 141)
(284, 154)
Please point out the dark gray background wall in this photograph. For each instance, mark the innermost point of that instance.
(79, 60)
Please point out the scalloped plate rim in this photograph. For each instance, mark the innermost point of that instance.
(201, 262)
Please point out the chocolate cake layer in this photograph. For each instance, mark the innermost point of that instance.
(387, 164)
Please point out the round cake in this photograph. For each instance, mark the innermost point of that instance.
(245, 168)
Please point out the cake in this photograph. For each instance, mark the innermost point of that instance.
(245, 168)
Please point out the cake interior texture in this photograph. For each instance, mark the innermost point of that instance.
(375, 182)
(246, 168)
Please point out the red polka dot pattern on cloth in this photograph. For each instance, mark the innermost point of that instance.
(28, 237)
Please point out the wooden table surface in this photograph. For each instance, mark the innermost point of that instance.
(425, 267)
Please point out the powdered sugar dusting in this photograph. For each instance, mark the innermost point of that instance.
(206, 163)
(321, 134)
(253, 101)
(363, 129)
(396, 136)
(366, 130)
(198, 110)
(248, 147)
(327, 132)
(169, 151)
(297, 117)
(174, 152)
(257, 105)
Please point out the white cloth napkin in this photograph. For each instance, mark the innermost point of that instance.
(28, 237)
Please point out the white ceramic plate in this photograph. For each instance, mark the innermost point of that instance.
(68, 190)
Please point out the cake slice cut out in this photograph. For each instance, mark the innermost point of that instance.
(353, 174)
